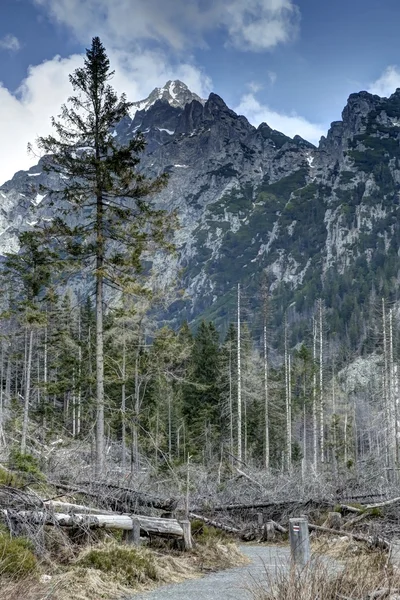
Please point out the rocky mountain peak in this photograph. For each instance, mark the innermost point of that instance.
(176, 93)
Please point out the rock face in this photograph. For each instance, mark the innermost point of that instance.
(176, 93)
(320, 222)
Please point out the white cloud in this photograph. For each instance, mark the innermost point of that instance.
(254, 86)
(10, 42)
(272, 76)
(387, 83)
(128, 28)
(254, 25)
(26, 114)
(260, 25)
(291, 124)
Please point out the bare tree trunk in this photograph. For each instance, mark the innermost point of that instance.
(73, 404)
(2, 438)
(135, 433)
(79, 402)
(385, 388)
(288, 404)
(38, 375)
(392, 398)
(289, 415)
(334, 432)
(231, 448)
(314, 406)
(99, 467)
(45, 375)
(25, 422)
(266, 402)
(123, 403)
(239, 382)
(396, 414)
(170, 428)
(7, 398)
(321, 394)
(157, 436)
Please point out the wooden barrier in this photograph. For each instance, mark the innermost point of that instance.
(134, 524)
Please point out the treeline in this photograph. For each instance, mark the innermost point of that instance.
(171, 394)
(99, 369)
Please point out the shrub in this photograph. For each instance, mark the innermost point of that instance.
(16, 556)
(203, 533)
(25, 463)
(10, 479)
(127, 565)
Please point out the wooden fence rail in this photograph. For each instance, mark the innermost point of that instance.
(147, 526)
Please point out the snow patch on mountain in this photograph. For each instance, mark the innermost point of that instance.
(176, 93)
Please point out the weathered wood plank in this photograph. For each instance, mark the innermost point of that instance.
(148, 525)
(79, 508)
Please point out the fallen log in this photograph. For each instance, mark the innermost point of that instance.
(148, 525)
(140, 498)
(354, 521)
(278, 505)
(381, 504)
(251, 479)
(278, 527)
(69, 507)
(215, 524)
(117, 498)
(371, 541)
(352, 509)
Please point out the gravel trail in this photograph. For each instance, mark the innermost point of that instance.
(225, 585)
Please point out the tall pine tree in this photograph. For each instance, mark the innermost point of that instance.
(104, 223)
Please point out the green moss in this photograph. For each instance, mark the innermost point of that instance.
(127, 565)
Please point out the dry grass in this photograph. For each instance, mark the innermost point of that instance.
(350, 573)
(110, 571)
(25, 589)
(216, 555)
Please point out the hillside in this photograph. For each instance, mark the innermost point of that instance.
(321, 222)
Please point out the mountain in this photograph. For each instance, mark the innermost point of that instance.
(176, 93)
(319, 221)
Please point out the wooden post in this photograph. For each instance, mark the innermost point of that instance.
(299, 542)
(132, 536)
(394, 555)
(187, 534)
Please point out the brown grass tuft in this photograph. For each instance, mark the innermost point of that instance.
(328, 579)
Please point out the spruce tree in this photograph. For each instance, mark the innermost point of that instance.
(104, 223)
(202, 396)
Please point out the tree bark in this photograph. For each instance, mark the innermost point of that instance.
(25, 422)
(239, 382)
(314, 404)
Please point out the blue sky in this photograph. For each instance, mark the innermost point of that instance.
(291, 63)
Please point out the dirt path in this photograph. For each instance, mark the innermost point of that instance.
(225, 585)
